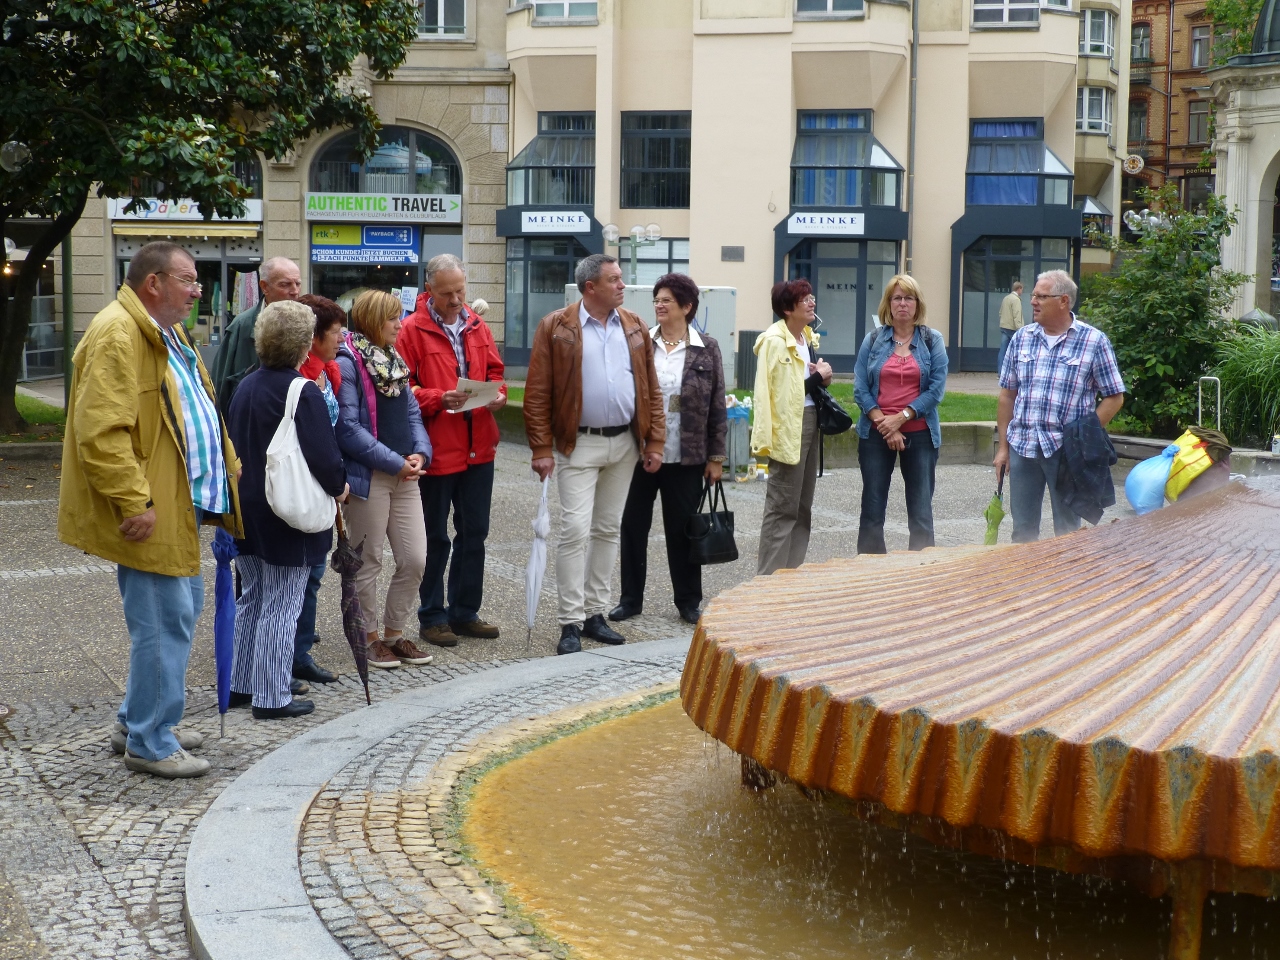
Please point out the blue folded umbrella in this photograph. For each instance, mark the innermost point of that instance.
(224, 617)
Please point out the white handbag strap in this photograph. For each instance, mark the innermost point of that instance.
(295, 391)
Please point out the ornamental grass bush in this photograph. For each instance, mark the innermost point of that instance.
(1249, 367)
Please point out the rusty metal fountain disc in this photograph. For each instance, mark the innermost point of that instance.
(1102, 702)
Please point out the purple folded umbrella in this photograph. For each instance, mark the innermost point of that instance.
(224, 618)
(347, 560)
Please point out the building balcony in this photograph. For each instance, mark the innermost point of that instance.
(1140, 72)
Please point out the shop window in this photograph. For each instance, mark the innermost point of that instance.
(1196, 190)
(565, 10)
(406, 161)
(833, 8)
(1140, 42)
(1093, 109)
(1097, 33)
(1093, 214)
(1138, 121)
(1009, 165)
(837, 163)
(559, 165)
(848, 277)
(654, 260)
(442, 18)
(991, 265)
(1198, 121)
(655, 160)
(1201, 38)
(537, 271)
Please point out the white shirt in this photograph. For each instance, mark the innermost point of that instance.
(669, 362)
(807, 356)
(608, 384)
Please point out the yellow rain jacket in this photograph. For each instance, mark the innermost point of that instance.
(123, 450)
(778, 404)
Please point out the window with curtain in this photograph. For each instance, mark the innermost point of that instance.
(836, 162)
(1138, 121)
(1201, 38)
(1014, 12)
(1097, 33)
(440, 18)
(1009, 165)
(564, 10)
(1140, 48)
(1198, 121)
(655, 159)
(559, 165)
(829, 7)
(1093, 109)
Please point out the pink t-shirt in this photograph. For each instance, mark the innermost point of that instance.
(899, 386)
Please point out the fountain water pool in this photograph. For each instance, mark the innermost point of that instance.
(635, 839)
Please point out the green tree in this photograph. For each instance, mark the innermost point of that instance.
(127, 97)
(1164, 308)
(1233, 24)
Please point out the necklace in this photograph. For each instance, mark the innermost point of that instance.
(674, 343)
(901, 343)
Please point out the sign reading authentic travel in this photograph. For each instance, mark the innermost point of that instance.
(365, 207)
(155, 209)
(353, 243)
(555, 221)
(838, 224)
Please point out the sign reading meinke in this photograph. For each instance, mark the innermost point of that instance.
(555, 221)
(835, 224)
(372, 207)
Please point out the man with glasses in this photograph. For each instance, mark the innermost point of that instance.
(145, 462)
(278, 279)
(1059, 369)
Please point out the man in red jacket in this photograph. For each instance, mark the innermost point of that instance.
(444, 341)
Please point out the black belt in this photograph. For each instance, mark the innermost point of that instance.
(605, 431)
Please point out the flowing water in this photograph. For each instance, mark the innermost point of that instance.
(634, 840)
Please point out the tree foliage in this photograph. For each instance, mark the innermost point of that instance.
(1164, 308)
(1234, 19)
(120, 96)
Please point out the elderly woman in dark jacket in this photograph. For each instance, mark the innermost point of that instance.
(691, 376)
(275, 559)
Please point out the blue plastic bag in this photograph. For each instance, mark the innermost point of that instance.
(1144, 487)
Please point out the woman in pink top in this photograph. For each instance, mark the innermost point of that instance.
(899, 380)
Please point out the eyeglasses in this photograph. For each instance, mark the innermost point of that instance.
(189, 284)
(902, 298)
(663, 302)
(1047, 296)
(810, 301)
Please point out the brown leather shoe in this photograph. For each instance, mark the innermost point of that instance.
(408, 653)
(381, 657)
(438, 634)
(475, 628)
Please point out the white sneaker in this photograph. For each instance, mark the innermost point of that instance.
(178, 765)
(187, 739)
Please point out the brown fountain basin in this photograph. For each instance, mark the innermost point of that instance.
(1103, 702)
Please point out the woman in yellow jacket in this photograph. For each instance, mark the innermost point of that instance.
(786, 425)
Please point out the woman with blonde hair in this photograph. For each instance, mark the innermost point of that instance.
(899, 380)
(386, 450)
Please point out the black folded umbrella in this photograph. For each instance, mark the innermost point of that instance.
(347, 560)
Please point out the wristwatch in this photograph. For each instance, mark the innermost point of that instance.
(908, 413)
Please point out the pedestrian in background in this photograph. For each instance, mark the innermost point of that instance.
(785, 429)
(145, 463)
(386, 450)
(443, 341)
(691, 378)
(1059, 369)
(274, 559)
(321, 368)
(899, 379)
(591, 406)
(278, 279)
(1010, 321)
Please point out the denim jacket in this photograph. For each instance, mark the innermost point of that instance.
(930, 356)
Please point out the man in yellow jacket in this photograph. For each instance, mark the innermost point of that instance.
(145, 462)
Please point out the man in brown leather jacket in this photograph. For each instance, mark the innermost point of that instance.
(591, 405)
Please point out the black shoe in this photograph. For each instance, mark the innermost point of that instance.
(294, 708)
(239, 700)
(313, 672)
(597, 629)
(623, 612)
(297, 686)
(570, 639)
(689, 614)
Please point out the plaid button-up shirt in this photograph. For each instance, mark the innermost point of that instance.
(454, 333)
(1055, 384)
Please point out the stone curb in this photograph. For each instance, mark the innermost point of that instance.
(245, 898)
(37, 450)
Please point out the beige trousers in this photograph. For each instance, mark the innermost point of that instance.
(392, 512)
(593, 483)
(788, 504)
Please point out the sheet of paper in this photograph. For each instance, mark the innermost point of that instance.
(479, 393)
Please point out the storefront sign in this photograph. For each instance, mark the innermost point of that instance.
(352, 243)
(821, 224)
(366, 207)
(176, 210)
(555, 221)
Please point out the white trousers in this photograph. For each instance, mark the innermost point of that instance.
(593, 483)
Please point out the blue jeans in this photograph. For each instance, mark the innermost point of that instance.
(161, 614)
(1005, 337)
(1028, 476)
(305, 637)
(469, 493)
(917, 463)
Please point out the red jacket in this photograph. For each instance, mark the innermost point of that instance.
(457, 441)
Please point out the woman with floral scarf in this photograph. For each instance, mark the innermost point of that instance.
(386, 449)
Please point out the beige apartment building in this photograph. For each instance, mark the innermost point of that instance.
(748, 141)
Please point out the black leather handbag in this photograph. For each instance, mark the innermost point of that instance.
(711, 533)
(833, 419)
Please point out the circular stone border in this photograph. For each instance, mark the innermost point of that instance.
(245, 893)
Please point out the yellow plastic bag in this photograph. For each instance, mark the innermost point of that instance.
(1192, 460)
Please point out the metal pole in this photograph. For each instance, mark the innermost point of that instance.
(68, 322)
(911, 138)
(634, 243)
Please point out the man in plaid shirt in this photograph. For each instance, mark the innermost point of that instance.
(1054, 372)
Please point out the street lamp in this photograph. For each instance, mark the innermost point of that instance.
(640, 237)
(14, 155)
